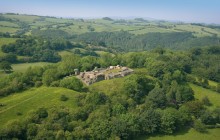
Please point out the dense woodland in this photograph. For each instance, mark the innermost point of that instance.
(38, 50)
(156, 99)
(124, 41)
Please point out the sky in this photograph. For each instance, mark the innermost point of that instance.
(199, 11)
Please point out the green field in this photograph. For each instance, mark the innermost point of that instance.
(8, 29)
(200, 92)
(33, 99)
(212, 134)
(22, 67)
(100, 25)
(108, 86)
(24, 18)
(63, 53)
(8, 24)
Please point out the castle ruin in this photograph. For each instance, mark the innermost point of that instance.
(99, 74)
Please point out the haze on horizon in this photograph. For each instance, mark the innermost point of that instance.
(200, 11)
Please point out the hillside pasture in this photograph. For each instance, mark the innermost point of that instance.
(31, 100)
(8, 29)
(200, 93)
(23, 18)
(23, 66)
(8, 24)
(108, 87)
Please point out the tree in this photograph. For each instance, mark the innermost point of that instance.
(207, 118)
(195, 107)
(60, 135)
(31, 130)
(11, 58)
(118, 109)
(101, 129)
(185, 94)
(218, 88)
(206, 101)
(169, 119)
(199, 126)
(6, 66)
(63, 98)
(158, 97)
(71, 83)
(96, 98)
(68, 64)
(14, 129)
(49, 76)
(125, 126)
(171, 95)
(42, 113)
(77, 51)
(184, 117)
(137, 86)
(149, 121)
(205, 83)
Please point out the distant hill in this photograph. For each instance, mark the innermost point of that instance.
(136, 34)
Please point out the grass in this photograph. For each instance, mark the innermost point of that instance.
(115, 85)
(108, 87)
(32, 99)
(8, 29)
(22, 67)
(4, 41)
(8, 24)
(63, 53)
(213, 83)
(112, 71)
(212, 134)
(81, 50)
(24, 18)
(101, 52)
(200, 92)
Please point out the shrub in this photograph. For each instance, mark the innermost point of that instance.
(199, 126)
(206, 101)
(71, 83)
(63, 98)
(38, 84)
(18, 113)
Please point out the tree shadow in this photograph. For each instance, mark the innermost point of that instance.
(183, 131)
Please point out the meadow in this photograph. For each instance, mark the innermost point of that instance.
(191, 134)
(200, 93)
(24, 66)
(22, 103)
